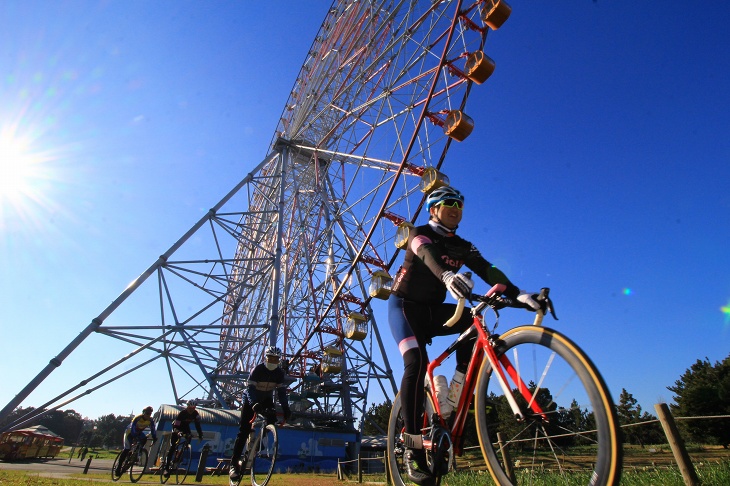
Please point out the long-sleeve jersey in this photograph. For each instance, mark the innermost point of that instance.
(262, 382)
(430, 254)
(183, 420)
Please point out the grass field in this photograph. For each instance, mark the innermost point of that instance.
(652, 465)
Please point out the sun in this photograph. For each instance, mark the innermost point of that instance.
(16, 167)
(25, 180)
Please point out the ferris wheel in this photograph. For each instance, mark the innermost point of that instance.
(297, 254)
(364, 133)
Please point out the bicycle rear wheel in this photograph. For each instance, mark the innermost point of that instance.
(264, 455)
(577, 437)
(183, 460)
(138, 465)
(395, 446)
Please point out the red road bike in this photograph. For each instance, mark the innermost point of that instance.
(539, 405)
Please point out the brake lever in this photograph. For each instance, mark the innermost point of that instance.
(546, 304)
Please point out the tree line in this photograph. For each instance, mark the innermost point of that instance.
(106, 431)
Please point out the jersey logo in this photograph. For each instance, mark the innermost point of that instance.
(452, 262)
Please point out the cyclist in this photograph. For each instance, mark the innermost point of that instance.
(417, 312)
(135, 431)
(181, 426)
(263, 380)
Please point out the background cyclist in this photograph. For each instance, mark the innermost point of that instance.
(417, 312)
(181, 426)
(264, 379)
(135, 432)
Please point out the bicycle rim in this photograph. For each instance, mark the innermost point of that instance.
(184, 458)
(395, 447)
(114, 468)
(578, 435)
(136, 469)
(264, 457)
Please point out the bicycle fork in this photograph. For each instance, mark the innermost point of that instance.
(499, 365)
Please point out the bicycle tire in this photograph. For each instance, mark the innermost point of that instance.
(231, 482)
(163, 464)
(581, 436)
(395, 448)
(115, 478)
(182, 462)
(138, 465)
(264, 455)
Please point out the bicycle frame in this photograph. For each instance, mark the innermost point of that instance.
(258, 424)
(484, 347)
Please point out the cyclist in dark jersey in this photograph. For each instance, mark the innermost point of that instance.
(181, 425)
(417, 312)
(265, 378)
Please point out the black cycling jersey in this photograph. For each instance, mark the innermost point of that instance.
(263, 381)
(430, 254)
(183, 420)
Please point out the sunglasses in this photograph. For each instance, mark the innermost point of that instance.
(452, 203)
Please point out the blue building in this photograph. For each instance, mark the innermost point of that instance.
(301, 448)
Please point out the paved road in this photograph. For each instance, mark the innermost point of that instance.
(62, 467)
(59, 466)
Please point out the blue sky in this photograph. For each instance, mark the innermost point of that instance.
(598, 167)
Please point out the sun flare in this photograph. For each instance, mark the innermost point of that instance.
(25, 178)
(16, 167)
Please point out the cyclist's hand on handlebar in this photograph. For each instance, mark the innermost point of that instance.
(458, 284)
(529, 300)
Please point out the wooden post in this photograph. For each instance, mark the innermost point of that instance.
(359, 468)
(88, 463)
(201, 463)
(387, 467)
(339, 470)
(506, 458)
(677, 444)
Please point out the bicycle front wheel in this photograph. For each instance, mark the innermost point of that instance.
(264, 455)
(163, 465)
(114, 467)
(183, 460)
(576, 438)
(138, 465)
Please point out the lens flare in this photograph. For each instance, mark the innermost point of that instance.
(726, 310)
(627, 291)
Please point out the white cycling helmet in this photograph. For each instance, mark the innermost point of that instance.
(272, 357)
(273, 351)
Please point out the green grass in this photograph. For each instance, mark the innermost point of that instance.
(709, 474)
(24, 478)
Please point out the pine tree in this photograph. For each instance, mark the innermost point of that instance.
(704, 390)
